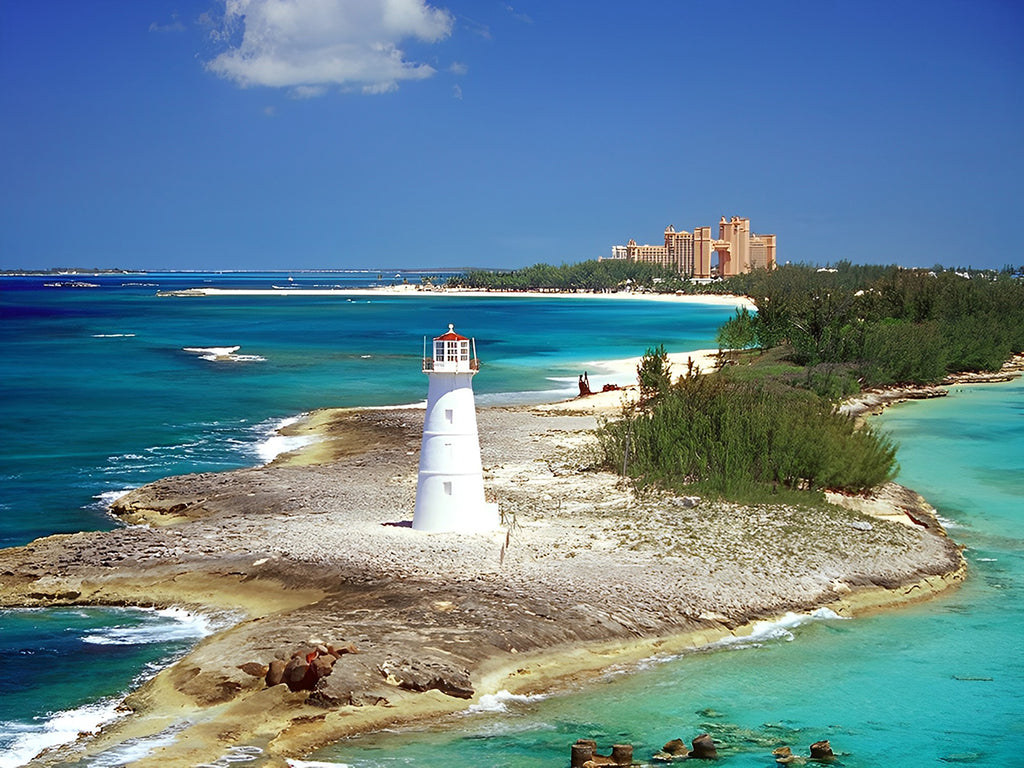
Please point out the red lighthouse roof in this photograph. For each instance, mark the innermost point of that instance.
(451, 335)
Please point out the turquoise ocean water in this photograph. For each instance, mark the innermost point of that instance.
(935, 684)
(99, 395)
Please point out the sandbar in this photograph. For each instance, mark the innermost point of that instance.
(415, 290)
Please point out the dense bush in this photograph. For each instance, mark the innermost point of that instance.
(729, 438)
(898, 351)
(758, 427)
(588, 276)
(654, 373)
(895, 325)
(739, 332)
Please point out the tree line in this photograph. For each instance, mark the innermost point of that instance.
(769, 423)
(882, 325)
(589, 276)
(821, 333)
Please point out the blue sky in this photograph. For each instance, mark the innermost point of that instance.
(372, 133)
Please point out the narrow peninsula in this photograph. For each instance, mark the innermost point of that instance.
(337, 617)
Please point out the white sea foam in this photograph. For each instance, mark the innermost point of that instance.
(498, 702)
(132, 750)
(948, 524)
(314, 764)
(59, 728)
(113, 335)
(275, 443)
(186, 626)
(243, 754)
(105, 499)
(779, 629)
(20, 742)
(223, 354)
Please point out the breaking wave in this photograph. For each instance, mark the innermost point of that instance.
(276, 444)
(499, 702)
(24, 740)
(223, 354)
(185, 626)
(779, 629)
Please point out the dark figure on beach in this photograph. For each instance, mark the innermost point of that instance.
(584, 385)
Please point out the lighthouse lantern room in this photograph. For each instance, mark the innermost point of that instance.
(450, 487)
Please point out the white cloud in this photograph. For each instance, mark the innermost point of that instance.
(517, 15)
(387, 87)
(311, 44)
(458, 68)
(308, 91)
(476, 27)
(174, 25)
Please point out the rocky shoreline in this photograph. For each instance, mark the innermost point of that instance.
(342, 619)
(874, 401)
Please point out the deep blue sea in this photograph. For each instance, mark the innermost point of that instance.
(99, 395)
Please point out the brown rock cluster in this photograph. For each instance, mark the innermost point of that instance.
(584, 755)
(703, 749)
(303, 669)
(821, 752)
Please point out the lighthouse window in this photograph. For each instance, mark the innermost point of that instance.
(447, 487)
(449, 415)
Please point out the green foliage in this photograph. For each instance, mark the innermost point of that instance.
(654, 373)
(892, 325)
(900, 352)
(587, 276)
(733, 438)
(770, 423)
(831, 381)
(739, 331)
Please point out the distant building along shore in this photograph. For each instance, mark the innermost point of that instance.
(689, 253)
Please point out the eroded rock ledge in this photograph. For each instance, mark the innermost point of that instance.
(873, 401)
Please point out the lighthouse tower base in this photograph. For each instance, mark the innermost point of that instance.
(450, 488)
(434, 514)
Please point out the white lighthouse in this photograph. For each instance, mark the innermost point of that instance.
(450, 489)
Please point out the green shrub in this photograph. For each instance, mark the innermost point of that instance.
(654, 373)
(732, 438)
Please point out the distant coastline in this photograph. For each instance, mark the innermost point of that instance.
(411, 290)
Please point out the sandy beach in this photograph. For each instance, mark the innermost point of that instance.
(314, 553)
(417, 290)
